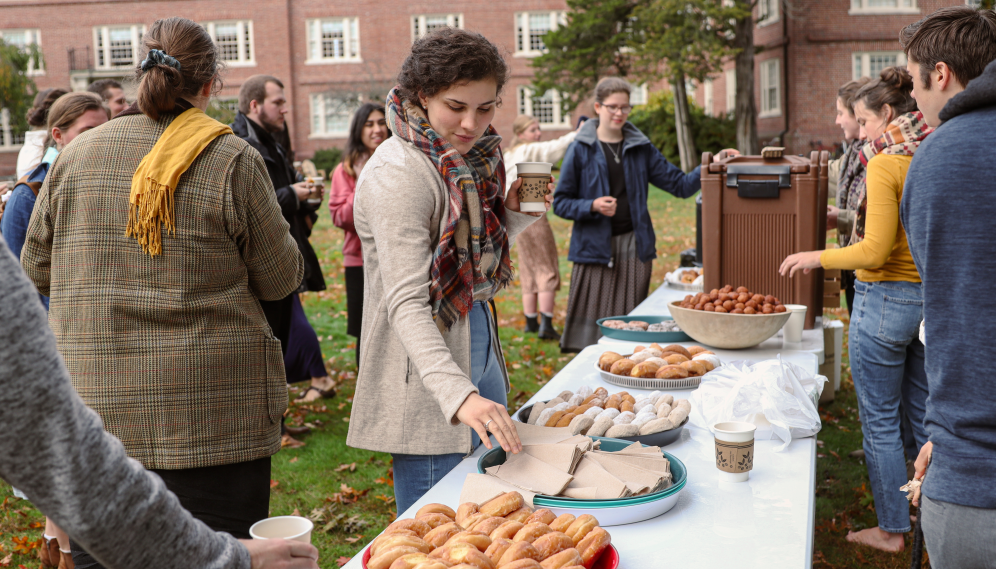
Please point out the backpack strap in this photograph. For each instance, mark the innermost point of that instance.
(35, 186)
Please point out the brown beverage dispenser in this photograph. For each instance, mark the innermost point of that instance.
(755, 212)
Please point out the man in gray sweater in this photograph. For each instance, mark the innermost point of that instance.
(55, 449)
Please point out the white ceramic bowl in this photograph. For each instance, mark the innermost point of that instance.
(727, 331)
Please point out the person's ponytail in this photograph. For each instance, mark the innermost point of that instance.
(893, 87)
(181, 58)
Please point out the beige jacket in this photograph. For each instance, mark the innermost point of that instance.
(413, 378)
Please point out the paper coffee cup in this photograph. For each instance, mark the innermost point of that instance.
(734, 450)
(792, 331)
(535, 177)
(283, 527)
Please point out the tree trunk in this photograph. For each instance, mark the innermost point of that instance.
(683, 123)
(746, 110)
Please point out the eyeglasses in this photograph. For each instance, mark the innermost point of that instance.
(613, 109)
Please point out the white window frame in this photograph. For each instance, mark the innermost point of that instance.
(768, 12)
(525, 97)
(419, 23)
(974, 3)
(7, 142)
(771, 77)
(32, 36)
(864, 8)
(862, 59)
(640, 95)
(245, 39)
(102, 37)
(350, 39)
(731, 90)
(707, 98)
(317, 111)
(523, 47)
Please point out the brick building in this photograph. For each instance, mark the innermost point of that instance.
(331, 55)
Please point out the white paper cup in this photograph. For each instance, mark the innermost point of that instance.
(792, 331)
(283, 527)
(532, 193)
(734, 450)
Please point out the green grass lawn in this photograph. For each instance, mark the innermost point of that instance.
(349, 492)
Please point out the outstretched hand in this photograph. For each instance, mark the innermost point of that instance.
(281, 554)
(804, 262)
(476, 412)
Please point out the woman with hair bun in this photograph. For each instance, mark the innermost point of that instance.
(35, 140)
(155, 238)
(436, 229)
(887, 357)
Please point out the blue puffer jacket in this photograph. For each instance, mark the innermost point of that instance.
(584, 176)
(17, 214)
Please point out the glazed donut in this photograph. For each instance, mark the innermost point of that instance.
(565, 420)
(627, 397)
(552, 543)
(507, 530)
(678, 350)
(444, 551)
(672, 372)
(504, 504)
(565, 558)
(442, 534)
(432, 564)
(465, 510)
(470, 556)
(519, 550)
(676, 359)
(554, 419)
(487, 525)
(696, 350)
(520, 515)
(434, 520)
(498, 548)
(580, 528)
(380, 540)
(474, 520)
(695, 368)
(386, 557)
(594, 544)
(530, 532)
(562, 523)
(626, 406)
(601, 392)
(479, 540)
(392, 540)
(521, 564)
(543, 515)
(407, 561)
(419, 527)
(436, 509)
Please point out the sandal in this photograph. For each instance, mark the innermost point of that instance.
(48, 553)
(322, 394)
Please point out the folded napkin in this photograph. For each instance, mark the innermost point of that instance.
(637, 448)
(637, 479)
(536, 435)
(654, 464)
(581, 493)
(481, 488)
(581, 441)
(590, 474)
(531, 473)
(561, 456)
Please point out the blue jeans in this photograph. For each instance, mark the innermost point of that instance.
(415, 474)
(887, 367)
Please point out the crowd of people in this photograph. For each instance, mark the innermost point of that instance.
(170, 251)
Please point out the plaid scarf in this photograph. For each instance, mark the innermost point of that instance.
(472, 257)
(851, 191)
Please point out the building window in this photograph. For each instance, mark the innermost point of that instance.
(331, 113)
(428, 23)
(708, 101)
(731, 91)
(234, 41)
(771, 96)
(9, 139)
(871, 64)
(530, 27)
(639, 95)
(23, 39)
(871, 7)
(333, 40)
(974, 3)
(769, 12)
(545, 109)
(117, 46)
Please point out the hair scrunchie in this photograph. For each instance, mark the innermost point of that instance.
(158, 57)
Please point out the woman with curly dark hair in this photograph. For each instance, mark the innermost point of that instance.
(435, 231)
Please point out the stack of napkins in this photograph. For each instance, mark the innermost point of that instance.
(555, 463)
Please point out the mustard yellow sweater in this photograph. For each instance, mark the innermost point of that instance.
(883, 255)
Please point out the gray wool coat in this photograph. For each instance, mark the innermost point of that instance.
(413, 378)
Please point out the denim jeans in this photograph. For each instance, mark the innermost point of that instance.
(415, 474)
(958, 537)
(887, 367)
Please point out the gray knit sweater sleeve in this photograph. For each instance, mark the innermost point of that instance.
(55, 449)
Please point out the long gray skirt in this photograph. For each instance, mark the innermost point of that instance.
(598, 291)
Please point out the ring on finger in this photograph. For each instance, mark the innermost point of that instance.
(486, 425)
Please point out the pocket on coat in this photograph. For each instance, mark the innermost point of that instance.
(901, 318)
(276, 380)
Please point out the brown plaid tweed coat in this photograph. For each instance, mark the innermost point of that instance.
(172, 351)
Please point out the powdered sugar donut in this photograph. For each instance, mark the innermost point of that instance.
(624, 418)
(593, 412)
(609, 414)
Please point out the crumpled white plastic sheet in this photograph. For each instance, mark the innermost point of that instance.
(780, 398)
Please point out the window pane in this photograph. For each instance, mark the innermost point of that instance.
(543, 108)
(539, 24)
(878, 62)
(338, 112)
(100, 49)
(858, 71)
(433, 23)
(248, 42)
(17, 38)
(332, 38)
(120, 42)
(881, 3)
(523, 96)
(227, 38)
(354, 38)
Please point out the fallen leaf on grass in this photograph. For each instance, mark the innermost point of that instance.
(293, 460)
(354, 539)
(5, 562)
(837, 456)
(341, 405)
(23, 546)
(345, 419)
(36, 525)
(342, 561)
(387, 499)
(384, 481)
(349, 467)
(296, 512)
(274, 483)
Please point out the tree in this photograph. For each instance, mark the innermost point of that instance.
(17, 89)
(742, 39)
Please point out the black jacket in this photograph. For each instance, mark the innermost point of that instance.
(296, 212)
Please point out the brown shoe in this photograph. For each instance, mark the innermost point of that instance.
(48, 553)
(66, 560)
(297, 431)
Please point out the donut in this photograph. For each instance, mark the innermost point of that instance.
(624, 418)
(504, 504)
(506, 530)
(707, 364)
(606, 360)
(391, 540)
(663, 411)
(521, 564)
(672, 372)
(585, 391)
(627, 430)
(543, 515)
(434, 520)
(385, 557)
(669, 399)
(554, 419)
(444, 551)
(599, 427)
(498, 548)
(566, 394)
(432, 564)
(626, 406)
(656, 426)
(601, 392)
(581, 526)
(436, 509)
(565, 558)
(487, 525)
(519, 550)
(695, 368)
(407, 561)
(593, 544)
(419, 527)
(474, 520)
(553, 543)
(678, 350)
(622, 367)
(581, 424)
(470, 556)
(530, 532)
(520, 515)
(464, 511)
(675, 359)
(696, 350)
(440, 535)
(678, 414)
(608, 413)
(562, 522)
(479, 540)
(566, 419)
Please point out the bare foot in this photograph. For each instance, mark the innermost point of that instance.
(320, 384)
(878, 539)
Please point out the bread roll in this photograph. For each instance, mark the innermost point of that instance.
(580, 424)
(498, 548)
(593, 544)
(565, 558)
(517, 551)
(542, 515)
(562, 522)
(678, 350)
(624, 418)
(599, 428)
(530, 532)
(436, 509)
(627, 430)
(419, 527)
(504, 504)
(581, 526)
(656, 426)
(440, 535)
(622, 367)
(552, 544)
(555, 418)
(671, 372)
(520, 515)
(506, 530)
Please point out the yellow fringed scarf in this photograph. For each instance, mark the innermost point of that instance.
(152, 187)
